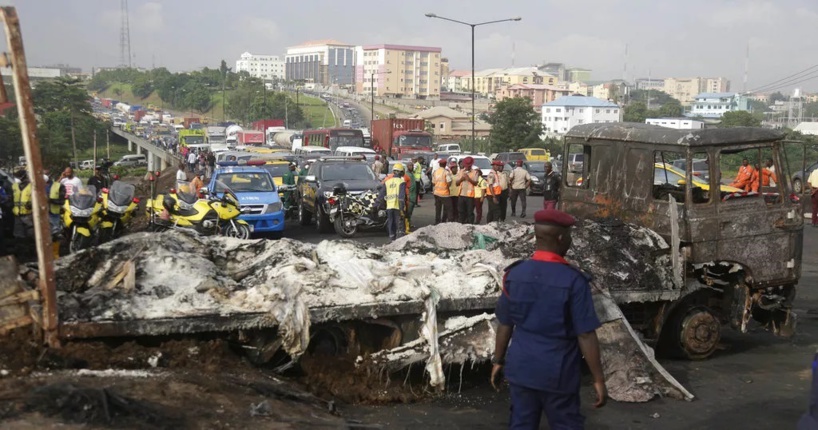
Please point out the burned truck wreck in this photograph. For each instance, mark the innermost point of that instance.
(722, 198)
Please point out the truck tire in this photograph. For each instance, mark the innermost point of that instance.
(693, 333)
(304, 217)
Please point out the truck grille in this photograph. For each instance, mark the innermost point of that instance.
(253, 209)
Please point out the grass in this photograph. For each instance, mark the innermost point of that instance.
(117, 151)
(316, 111)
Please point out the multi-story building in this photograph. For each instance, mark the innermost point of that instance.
(444, 73)
(455, 80)
(576, 74)
(557, 70)
(398, 71)
(759, 97)
(578, 88)
(487, 82)
(566, 112)
(650, 84)
(324, 62)
(686, 89)
(676, 123)
(266, 67)
(537, 93)
(714, 105)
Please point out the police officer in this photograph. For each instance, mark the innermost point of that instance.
(546, 303)
(23, 222)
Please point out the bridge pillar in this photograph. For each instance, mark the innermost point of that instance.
(151, 161)
(130, 145)
(163, 163)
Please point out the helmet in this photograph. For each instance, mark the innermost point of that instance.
(452, 160)
(398, 167)
(498, 163)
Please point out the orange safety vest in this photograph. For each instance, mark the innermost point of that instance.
(466, 187)
(494, 189)
(439, 179)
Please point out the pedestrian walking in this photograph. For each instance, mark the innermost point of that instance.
(551, 187)
(546, 307)
(519, 180)
(441, 184)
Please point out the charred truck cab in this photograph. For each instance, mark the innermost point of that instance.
(737, 231)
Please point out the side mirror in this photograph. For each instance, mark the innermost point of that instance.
(681, 182)
(204, 191)
(309, 178)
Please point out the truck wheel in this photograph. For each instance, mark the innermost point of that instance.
(797, 187)
(322, 223)
(694, 333)
(303, 215)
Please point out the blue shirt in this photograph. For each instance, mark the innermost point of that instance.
(548, 302)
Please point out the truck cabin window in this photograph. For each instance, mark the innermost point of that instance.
(577, 162)
(749, 174)
(668, 181)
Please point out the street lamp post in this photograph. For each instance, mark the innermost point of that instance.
(472, 25)
(372, 94)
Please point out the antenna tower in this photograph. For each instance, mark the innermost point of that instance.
(125, 37)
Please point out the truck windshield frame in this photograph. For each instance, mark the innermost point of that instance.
(414, 140)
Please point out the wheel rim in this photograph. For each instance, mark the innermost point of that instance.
(347, 225)
(796, 184)
(700, 333)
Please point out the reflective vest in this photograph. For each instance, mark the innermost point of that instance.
(495, 187)
(480, 188)
(55, 198)
(442, 180)
(417, 172)
(454, 188)
(394, 186)
(22, 199)
(466, 187)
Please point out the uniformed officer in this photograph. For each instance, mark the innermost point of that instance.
(546, 305)
(21, 191)
(395, 198)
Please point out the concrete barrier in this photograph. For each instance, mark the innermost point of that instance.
(158, 158)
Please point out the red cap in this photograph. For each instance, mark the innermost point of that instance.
(554, 217)
(377, 157)
(519, 162)
(468, 161)
(498, 163)
(442, 162)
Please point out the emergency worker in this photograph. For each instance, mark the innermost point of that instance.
(23, 221)
(454, 191)
(412, 199)
(519, 180)
(479, 196)
(768, 174)
(395, 199)
(497, 178)
(546, 307)
(377, 166)
(744, 178)
(441, 183)
(467, 180)
(417, 175)
(56, 200)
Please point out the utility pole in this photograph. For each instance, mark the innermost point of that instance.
(108, 143)
(95, 148)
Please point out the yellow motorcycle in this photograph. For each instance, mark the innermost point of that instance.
(81, 217)
(182, 208)
(118, 208)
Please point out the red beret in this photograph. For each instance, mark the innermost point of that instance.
(554, 217)
(519, 162)
(468, 161)
(442, 161)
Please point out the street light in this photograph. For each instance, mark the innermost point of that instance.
(372, 93)
(473, 112)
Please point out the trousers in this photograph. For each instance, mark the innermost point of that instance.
(503, 204)
(478, 210)
(815, 208)
(514, 194)
(443, 209)
(454, 216)
(394, 224)
(465, 210)
(549, 204)
(528, 405)
(493, 210)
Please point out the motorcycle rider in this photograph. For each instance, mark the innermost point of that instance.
(98, 181)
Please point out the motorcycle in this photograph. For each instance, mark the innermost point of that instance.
(289, 202)
(118, 207)
(210, 215)
(348, 213)
(81, 217)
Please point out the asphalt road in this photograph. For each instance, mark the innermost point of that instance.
(755, 381)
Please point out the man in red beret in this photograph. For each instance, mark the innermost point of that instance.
(467, 180)
(546, 305)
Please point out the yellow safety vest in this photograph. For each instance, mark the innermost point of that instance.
(22, 199)
(454, 189)
(480, 188)
(393, 187)
(439, 178)
(54, 195)
(417, 172)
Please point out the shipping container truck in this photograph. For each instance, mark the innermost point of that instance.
(250, 137)
(139, 114)
(399, 136)
(263, 124)
(188, 121)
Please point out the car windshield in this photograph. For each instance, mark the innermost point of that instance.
(277, 170)
(346, 172)
(536, 167)
(482, 163)
(244, 182)
(666, 176)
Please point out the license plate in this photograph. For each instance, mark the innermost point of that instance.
(252, 227)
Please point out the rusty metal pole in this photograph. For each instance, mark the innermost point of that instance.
(95, 149)
(108, 143)
(39, 201)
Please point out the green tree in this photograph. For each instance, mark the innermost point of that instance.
(777, 96)
(635, 112)
(671, 109)
(63, 94)
(739, 119)
(11, 141)
(514, 124)
(118, 92)
(142, 86)
(198, 99)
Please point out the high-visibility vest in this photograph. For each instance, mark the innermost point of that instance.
(54, 196)
(417, 172)
(495, 188)
(480, 188)
(442, 180)
(393, 194)
(22, 199)
(466, 187)
(454, 188)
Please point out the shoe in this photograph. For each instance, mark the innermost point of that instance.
(522, 216)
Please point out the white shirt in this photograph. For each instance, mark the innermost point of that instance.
(71, 185)
(181, 176)
(813, 179)
(191, 158)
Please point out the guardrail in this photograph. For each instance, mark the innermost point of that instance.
(158, 158)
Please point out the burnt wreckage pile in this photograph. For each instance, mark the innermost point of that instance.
(434, 289)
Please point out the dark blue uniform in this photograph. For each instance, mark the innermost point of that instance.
(548, 302)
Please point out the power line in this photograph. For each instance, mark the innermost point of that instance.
(793, 81)
(779, 82)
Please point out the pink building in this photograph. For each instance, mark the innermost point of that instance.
(538, 93)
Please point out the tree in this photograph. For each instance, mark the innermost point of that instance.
(671, 109)
(635, 112)
(118, 92)
(739, 119)
(777, 96)
(514, 124)
(198, 100)
(142, 87)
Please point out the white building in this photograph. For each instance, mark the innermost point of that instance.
(676, 123)
(566, 112)
(261, 66)
(714, 105)
(809, 128)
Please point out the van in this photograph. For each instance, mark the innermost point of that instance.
(449, 148)
(132, 160)
(536, 154)
(356, 151)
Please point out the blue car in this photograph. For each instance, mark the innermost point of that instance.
(258, 196)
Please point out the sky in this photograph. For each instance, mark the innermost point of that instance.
(664, 38)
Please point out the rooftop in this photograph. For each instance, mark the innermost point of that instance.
(655, 134)
(443, 111)
(321, 43)
(581, 101)
(716, 95)
(402, 48)
(537, 87)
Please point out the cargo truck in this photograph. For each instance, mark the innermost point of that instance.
(264, 124)
(191, 137)
(399, 136)
(250, 137)
(188, 121)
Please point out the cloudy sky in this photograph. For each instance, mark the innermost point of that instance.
(664, 37)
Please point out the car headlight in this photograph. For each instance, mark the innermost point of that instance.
(82, 213)
(535, 179)
(273, 208)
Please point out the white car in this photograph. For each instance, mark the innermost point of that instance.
(349, 151)
(480, 162)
